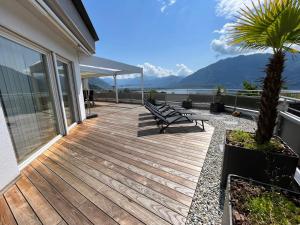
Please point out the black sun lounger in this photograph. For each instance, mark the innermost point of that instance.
(168, 111)
(165, 122)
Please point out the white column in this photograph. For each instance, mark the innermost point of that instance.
(142, 86)
(85, 84)
(116, 88)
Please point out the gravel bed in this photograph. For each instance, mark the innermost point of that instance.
(207, 205)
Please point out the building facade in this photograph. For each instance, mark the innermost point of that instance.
(41, 42)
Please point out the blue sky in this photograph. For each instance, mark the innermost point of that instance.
(164, 36)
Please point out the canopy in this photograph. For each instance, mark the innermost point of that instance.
(93, 66)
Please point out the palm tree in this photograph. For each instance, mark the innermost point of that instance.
(271, 24)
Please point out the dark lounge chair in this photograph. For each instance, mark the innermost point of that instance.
(165, 121)
(167, 111)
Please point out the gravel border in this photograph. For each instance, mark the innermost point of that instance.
(208, 200)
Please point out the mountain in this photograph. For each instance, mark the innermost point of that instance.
(231, 72)
(98, 84)
(149, 82)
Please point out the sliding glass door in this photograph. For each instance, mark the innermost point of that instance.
(26, 97)
(64, 73)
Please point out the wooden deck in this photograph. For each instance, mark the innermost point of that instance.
(114, 169)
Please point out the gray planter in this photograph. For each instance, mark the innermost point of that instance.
(227, 218)
(262, 166)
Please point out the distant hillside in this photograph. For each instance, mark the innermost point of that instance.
(98, 84)
(231, 72)
(149, 82)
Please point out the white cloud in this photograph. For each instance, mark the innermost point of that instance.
(165, 4)
(221, 45)
(180, 70)
(229, 8)
(183, 70)
(150, 69)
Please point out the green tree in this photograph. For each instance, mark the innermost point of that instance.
(249, 86)
(271, 24)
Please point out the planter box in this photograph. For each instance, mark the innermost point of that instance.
(294, 108)
(187, 104)
(217, 107)
(152, 101)
(227, 218)
(258, 165)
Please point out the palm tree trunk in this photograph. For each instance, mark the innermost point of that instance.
(269, 98)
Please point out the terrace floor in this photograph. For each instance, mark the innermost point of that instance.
(114, 169)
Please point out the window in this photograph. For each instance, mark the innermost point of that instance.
(65, 81)
(26, 98)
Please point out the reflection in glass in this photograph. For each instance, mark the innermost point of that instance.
(66, 91)
(25, 97)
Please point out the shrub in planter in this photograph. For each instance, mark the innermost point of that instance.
(188, 104)
(151, 97)
(249, 202)
(217, 105)
(271, 162)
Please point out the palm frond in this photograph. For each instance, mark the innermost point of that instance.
(268, 24)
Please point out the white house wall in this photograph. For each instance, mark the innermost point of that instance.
(30, 24)
(8, 163)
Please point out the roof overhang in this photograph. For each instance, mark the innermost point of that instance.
(93, 66)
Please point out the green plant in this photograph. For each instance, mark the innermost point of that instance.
(220, 91)
(151, 96)
(272, 208)
(247, 140)
(188, 99)
(273, 24)
(247, 85)
(126, 90)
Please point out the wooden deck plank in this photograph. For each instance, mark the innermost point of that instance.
(97, 164)
(45, 212)
(87, 208)
(20, 208)
(138, 153)
(129, 192)
(166, 166)
(114, 169)
(138, 163)
(184, 199)
(178, 187)
(133, 208)
(159, 143)
(106, 205)
(191, 142)
(69, 213)
(6, 216)
(152, 146)
(81, 160)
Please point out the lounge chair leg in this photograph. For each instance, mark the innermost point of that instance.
(202, 125)
(162, 130)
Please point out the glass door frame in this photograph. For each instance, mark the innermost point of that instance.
(53, 90)
(71, 82)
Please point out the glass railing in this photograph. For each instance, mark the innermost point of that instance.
(235, 98)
